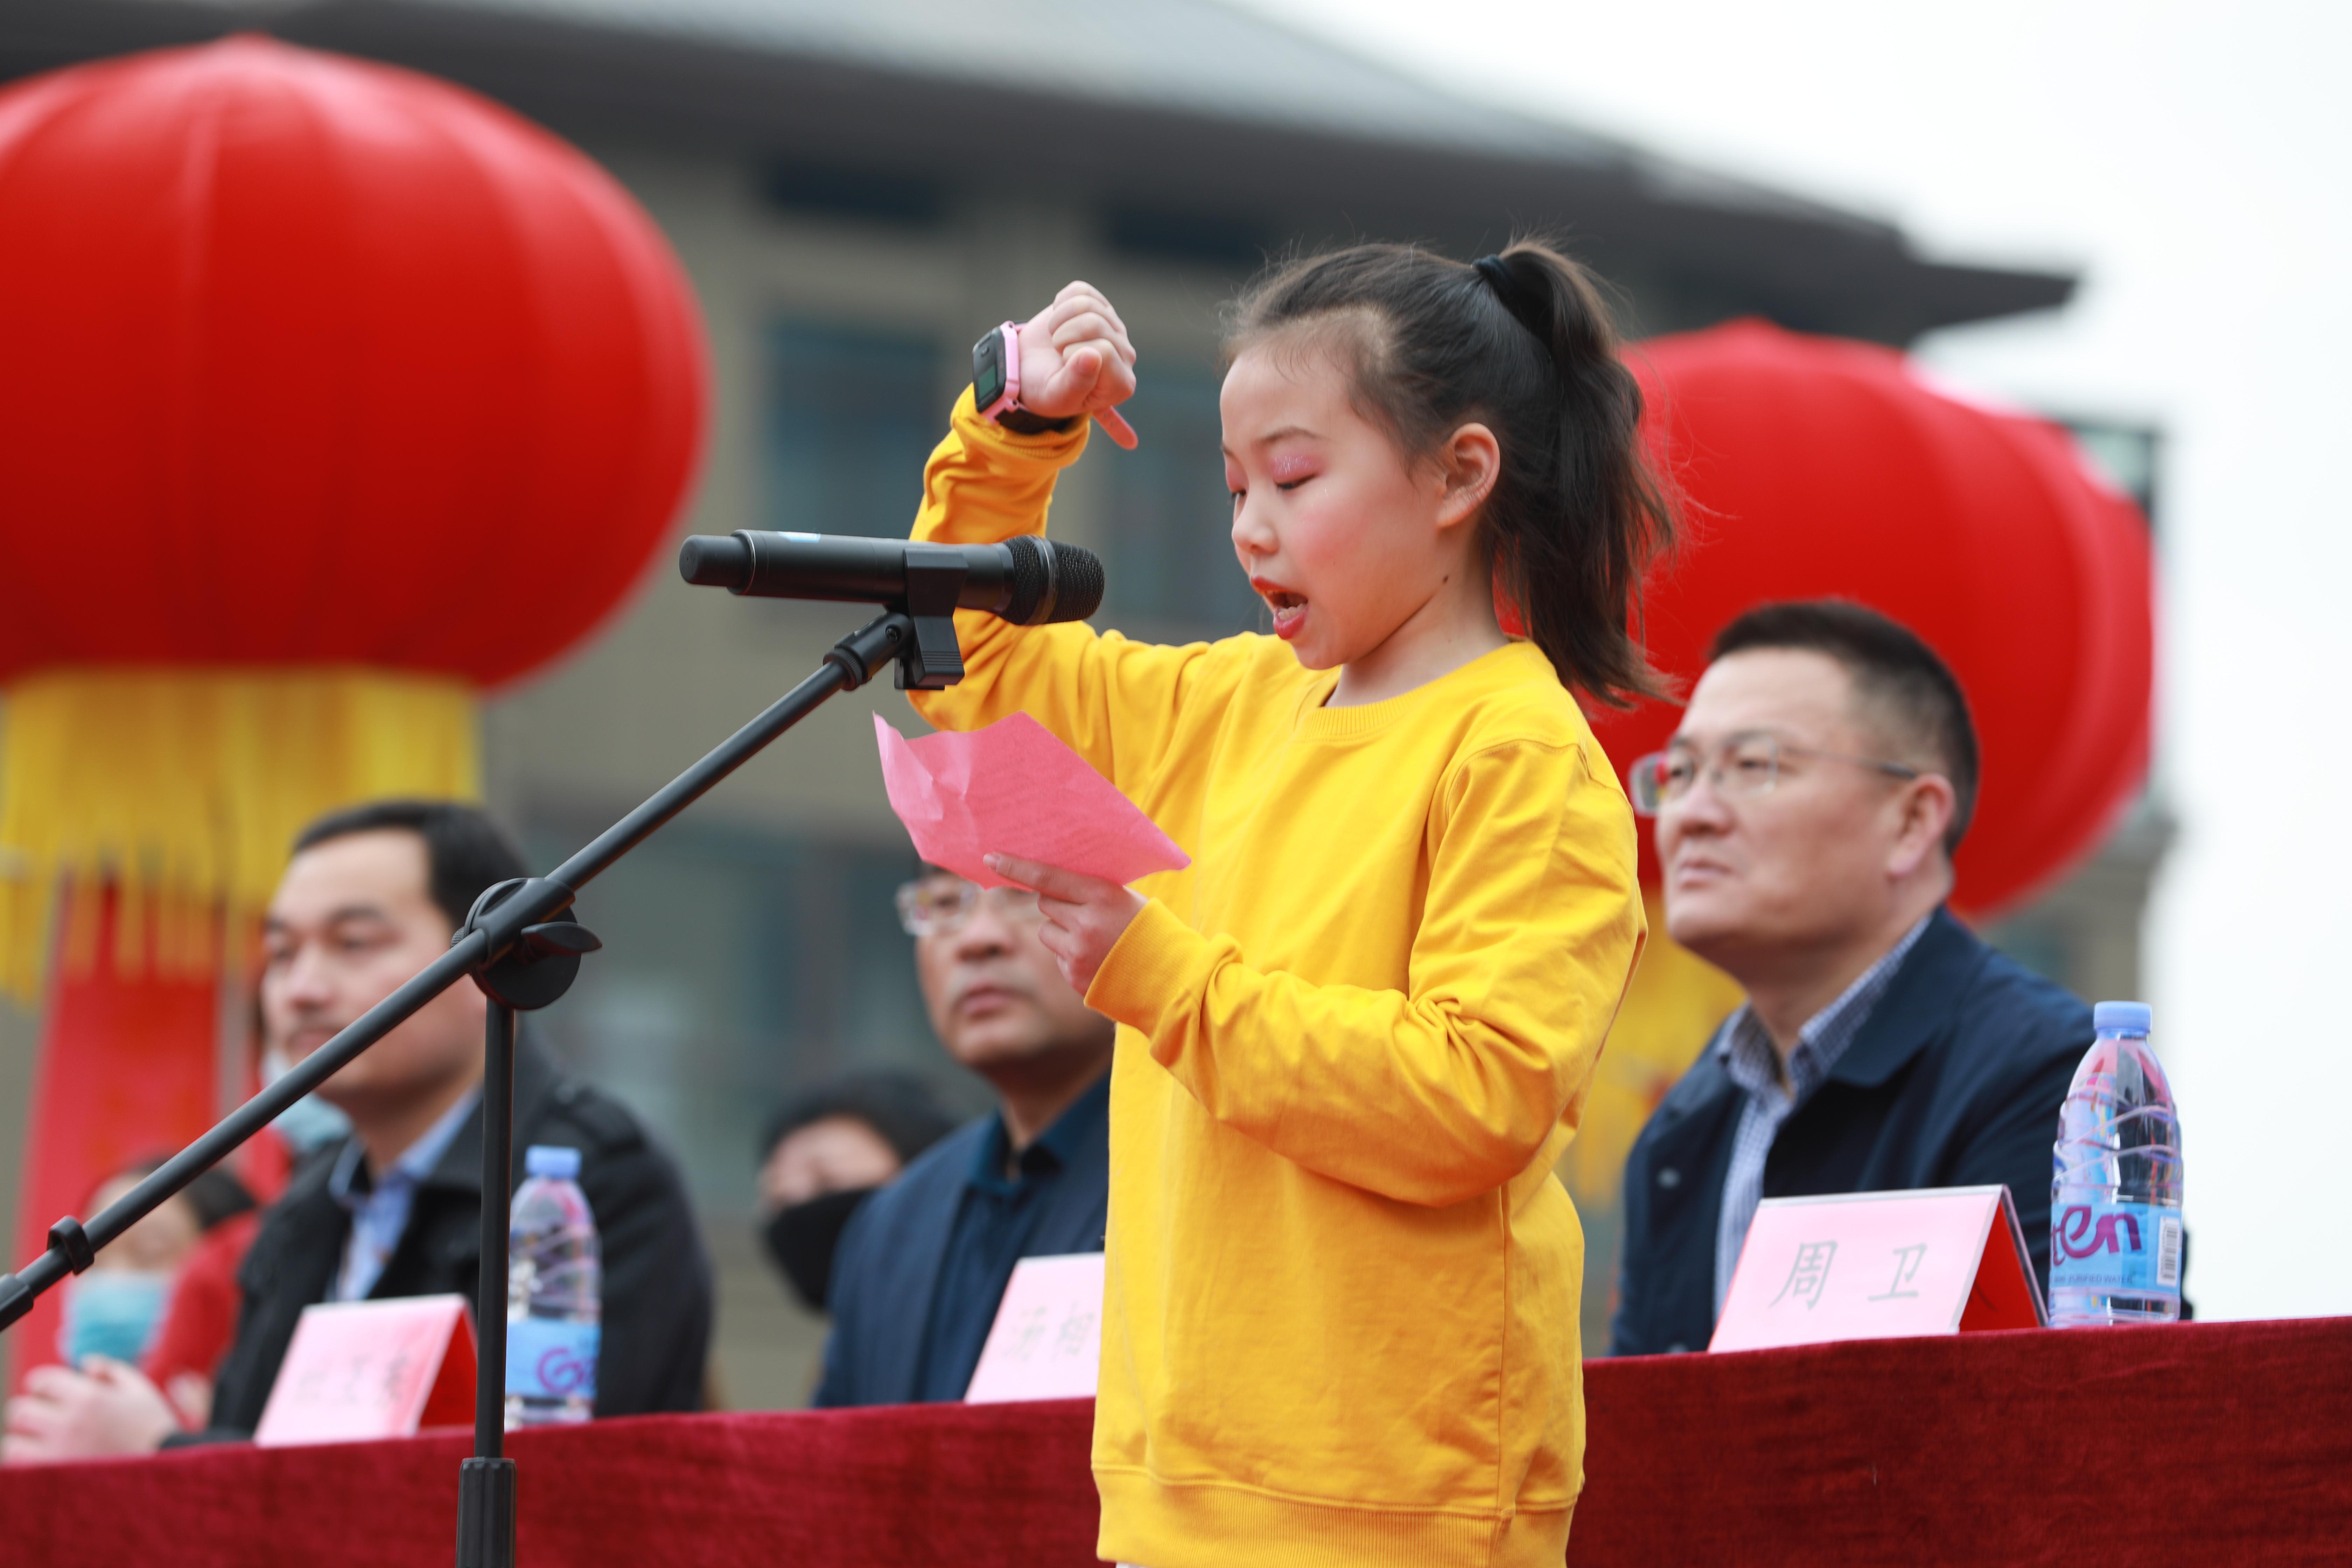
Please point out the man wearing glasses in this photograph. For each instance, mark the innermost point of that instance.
(1807, 813)
(922, 1266)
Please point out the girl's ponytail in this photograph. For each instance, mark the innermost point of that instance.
(1575, 576)
(1523, 343)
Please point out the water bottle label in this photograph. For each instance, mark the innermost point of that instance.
(2131, 1249)
(552, 1357)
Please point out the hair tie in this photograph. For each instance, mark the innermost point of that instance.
(1529, 310)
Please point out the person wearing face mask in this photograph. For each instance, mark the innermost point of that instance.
(924, 1261)
(372, 895)
(825, 1154)
(119, 1315)
(116, 1311)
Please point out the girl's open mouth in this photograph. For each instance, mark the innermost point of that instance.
(1289, 609)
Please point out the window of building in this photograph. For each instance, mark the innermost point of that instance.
(854, 195)
(1167, 536)
(1218, 240)
(851, 413)
(2128, 455)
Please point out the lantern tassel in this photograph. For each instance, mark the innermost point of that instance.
(183, 787)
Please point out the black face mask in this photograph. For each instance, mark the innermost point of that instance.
(802, 1238)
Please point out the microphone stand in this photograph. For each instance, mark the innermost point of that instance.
(521, 946)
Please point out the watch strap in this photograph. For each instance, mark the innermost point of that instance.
(1022, 422)
(1010, 335)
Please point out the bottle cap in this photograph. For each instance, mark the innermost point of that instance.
(563, 1165)
(2121, 1018)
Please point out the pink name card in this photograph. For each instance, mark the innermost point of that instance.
(1879, 1266)
(1047, 1340)
(360, 1370)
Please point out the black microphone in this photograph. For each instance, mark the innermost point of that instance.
(1026, 579)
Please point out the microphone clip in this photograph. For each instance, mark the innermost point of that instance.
(931, 660)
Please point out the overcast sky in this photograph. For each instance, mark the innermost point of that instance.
(2194, 164)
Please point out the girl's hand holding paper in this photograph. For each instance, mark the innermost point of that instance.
(1085, 916)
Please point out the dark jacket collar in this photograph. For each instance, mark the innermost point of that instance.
(1078, 1129)
(1916, 1008)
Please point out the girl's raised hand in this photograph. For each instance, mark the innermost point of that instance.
(1085, 916)
(1075, 359)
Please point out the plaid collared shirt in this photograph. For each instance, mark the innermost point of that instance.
(1748, 1057)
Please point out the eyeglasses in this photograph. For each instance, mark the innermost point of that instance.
(1744, 766)
(939, 906)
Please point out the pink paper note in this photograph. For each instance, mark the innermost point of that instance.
(1877, 1265)
(358, 1370)
(1048, 1339)
(1014, 789)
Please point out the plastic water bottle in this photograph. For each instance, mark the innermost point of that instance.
(2115, 1186)
(555, 1277)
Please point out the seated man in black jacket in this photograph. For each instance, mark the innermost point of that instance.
(1807, 813)
(371, 895)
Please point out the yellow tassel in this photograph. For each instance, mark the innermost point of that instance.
(183, 787)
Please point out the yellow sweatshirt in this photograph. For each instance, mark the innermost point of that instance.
(1340, 1327)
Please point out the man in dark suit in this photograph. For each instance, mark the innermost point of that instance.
(1807, 812)
(924, 1262)
(394, 1209)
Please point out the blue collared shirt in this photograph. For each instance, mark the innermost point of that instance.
(1749, 1059)
(379, 1208)
(993, 1222)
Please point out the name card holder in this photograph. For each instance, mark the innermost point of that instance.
(1046, 1342)
(1880, 1266)
(362, 1370)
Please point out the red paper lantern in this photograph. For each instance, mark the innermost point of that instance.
(332, 393)
(314, 361)
(1813, 466)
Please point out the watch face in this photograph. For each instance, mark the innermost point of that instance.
(988, 370)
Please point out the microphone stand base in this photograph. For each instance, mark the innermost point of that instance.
(485, 1514)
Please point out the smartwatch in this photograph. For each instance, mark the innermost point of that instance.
(996, 383)
(996, 371)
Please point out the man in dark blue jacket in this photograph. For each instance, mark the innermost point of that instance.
(1807, 812)
(924, 1261)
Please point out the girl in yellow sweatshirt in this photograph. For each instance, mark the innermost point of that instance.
(1355, 1034)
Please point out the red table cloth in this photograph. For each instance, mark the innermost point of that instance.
(2208, 1443)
